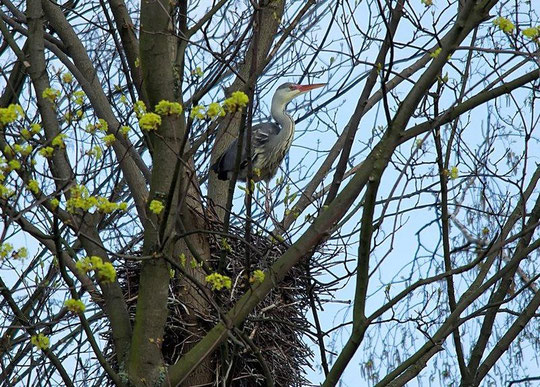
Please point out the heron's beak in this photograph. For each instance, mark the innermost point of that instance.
(306, 88)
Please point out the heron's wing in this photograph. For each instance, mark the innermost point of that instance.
(261, 136)
(263, 133)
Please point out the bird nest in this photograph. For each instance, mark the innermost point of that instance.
(270, 341)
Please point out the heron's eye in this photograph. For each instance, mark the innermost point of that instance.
(292, 88)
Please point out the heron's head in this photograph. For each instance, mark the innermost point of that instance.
(287, 91)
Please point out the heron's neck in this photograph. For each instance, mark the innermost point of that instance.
(284, 120)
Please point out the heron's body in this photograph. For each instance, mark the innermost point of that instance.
(270, 141)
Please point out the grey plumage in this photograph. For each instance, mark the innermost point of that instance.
(270, 142)
(260, 139)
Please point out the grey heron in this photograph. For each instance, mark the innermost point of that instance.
(270, 142)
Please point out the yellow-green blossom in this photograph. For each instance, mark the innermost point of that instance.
(257, 277)
(78, 96)
(23, 150)
(14, 164)
(21, 253)
(197, 72)
(33, 186)
(5, 250)
(104, 270)
(5, 192)
(41, 341)
(96, 152)
(100, 125)
(46, 152)
(444, 79)
(427, 3)
(182, 259)
(58, 141)
(85, 204)
(454, 173)
(80, 199)
(67, 78)
(225, 245)
(50, 94)
(531, 32)
(104, 205)
(85, 265)
(109, 139)
(198, 112)
(26, 134)
(149, 121)
(436, 53)
(236, 101)
(125, 130)
(215, 110)
(504, 24)
(54, 203)
(17, 148)
(139, 108)
(9, 151)
(69, 117)
(75, 306)
(166, 108)
(218, 281)
(156, 206)
(35, 128)
(10, 114)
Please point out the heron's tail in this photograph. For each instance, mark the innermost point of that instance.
(219, 168)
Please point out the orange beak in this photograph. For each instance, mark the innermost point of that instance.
(306, 88)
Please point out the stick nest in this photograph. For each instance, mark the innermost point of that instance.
(271, 338)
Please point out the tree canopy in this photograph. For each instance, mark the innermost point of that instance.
(399, 239)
